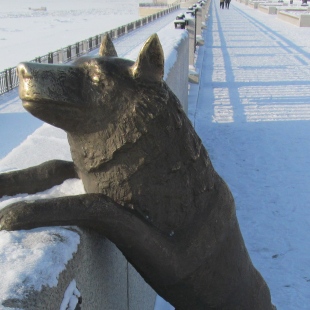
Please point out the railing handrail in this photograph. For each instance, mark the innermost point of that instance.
(9, 79)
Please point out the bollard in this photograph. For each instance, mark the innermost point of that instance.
(60, 57)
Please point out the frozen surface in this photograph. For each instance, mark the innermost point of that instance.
(26, 34)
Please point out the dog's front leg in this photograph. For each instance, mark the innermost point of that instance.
(37, 178)
(147, 249)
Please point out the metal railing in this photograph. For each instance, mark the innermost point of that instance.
(9, 78)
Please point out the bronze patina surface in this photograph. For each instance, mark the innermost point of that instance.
(151, 187)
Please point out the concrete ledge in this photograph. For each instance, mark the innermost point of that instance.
(177, 76)
(253, 5)
(302, 20)
(268, 9)
(272, 10)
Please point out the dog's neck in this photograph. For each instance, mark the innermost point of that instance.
(149, 157)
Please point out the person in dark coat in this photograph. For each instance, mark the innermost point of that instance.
(227, 2)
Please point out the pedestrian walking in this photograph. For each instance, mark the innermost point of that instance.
(227, 2)
(222, 4)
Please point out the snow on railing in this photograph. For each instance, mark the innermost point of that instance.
(9, 79)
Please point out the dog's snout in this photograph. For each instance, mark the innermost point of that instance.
(23, 70)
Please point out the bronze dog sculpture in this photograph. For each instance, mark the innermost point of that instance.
(151, 188)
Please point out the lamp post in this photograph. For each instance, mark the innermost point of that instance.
(195, 12)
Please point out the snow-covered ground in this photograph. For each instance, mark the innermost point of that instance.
(252, 111)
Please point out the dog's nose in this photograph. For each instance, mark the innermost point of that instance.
(23, 70)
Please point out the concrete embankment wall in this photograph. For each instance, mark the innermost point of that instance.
(177, 78)
(103, 277)
(302, 20)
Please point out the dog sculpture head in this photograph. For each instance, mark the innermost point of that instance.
(78, 96)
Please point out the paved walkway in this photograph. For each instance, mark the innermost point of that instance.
(252, 111)
(245, 52)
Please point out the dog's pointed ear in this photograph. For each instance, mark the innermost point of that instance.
(107, 47)
(150, 62)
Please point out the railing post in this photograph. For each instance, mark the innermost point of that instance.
(85, 46)
(77, 49)
(68, 52)
(10, 78)
(50, 58)
(14, 77)
(60, 56)
(6, 80)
